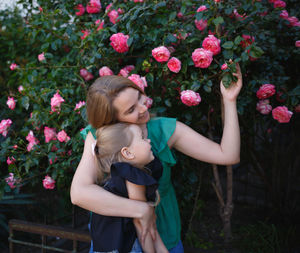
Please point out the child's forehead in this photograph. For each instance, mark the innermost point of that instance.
(135, 129)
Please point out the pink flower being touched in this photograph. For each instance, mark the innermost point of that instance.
(4, 125)
(13, 66)
(11, 103)
(10, 160)
(265, 91)
(94, 6)
(201, 24)
(11, 181)
(174, 65)
(282, 114)
(139, 81)
(113, 16)
(32, 141)
(263, 106)
(105, 71)
(161, 54)
(202, 58)
(48, 183)
(80, 9)
(126, 70)
(119, 42)
(212, 44)
(86, 75)
(79, 105)
(56, 101)
(297, 43)
(190, 98)
(224, 66)
(41, 57)
(279, 4)
(50, 134)
(62, 136)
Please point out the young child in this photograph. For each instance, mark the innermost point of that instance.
(128, 169)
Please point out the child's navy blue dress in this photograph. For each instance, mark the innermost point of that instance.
(118, 233)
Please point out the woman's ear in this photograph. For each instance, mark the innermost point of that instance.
(127, 154)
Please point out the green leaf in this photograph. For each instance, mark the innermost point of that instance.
(227, 79)
(45, 46)
(218, 21)
(256, 51)
(195, 86)
(238, 40)
(53, 46)
(172, 15)
(295, 91)
(228, 45)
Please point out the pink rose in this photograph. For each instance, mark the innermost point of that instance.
(100, 24)
(161, 54)
(174, 65)
(202, 8)
(293, 20)
(56, 101)
(50, 134)
(248, 40)
(113, 16)
(126, 70)
(139, 81)
(119, 42)
(15, 146)
(51, 161)
(224, 66)
(11, 181)
(48, 183)
(120, 11)
(263, 106)
(4, 125)
(79, 105)
(85, 34)
(105, 71)
(40, 9)
(284, 14)
(86, 75)
(190, 98)
(212, 44)
(20, 88)
(80, 9)
(265, 91)
(179, 15)
(32, 141)
(282, 114)
(62, 136)
(10, 160)
(13, 66)
(11, 103)
(297, 43)
(279, 4)
(217, 1)
(201, 24)
(149, 102)
(202, 58)
(94, 6)
(41, 57)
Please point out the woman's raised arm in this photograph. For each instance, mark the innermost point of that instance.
(193, 144)
(88, 195)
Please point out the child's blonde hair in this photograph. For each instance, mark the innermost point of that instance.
(110, 140)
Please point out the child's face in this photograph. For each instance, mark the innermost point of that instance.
(140, 147)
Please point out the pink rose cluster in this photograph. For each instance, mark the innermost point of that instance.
(280, 113)
(86, 75)
(119, 42)
(201, 24)
(62, 136)
(56, 101)
(32, 141)
(11, 103)
(11, 181)
(126, 70)
(48, 183)
(138, 80)
(202, 57)
(113, 14)
(105, 71)
(50, 134)
(4, 125)
(190, 98)
(162, 54)
(79, 105)
(13, 66)
(293, 21)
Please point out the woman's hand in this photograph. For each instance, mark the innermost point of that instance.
(148, 223)
(231, 93)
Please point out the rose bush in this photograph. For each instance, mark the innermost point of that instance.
(53, 52)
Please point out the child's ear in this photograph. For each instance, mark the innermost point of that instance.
(127, 154)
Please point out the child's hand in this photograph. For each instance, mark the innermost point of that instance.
(231, 93)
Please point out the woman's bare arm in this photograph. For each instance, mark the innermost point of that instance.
(193, 144)
(88, 195)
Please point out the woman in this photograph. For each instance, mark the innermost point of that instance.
(114, 99)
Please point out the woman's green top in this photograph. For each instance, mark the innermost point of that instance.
(167, 212)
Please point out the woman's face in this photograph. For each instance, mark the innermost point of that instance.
(131, 107)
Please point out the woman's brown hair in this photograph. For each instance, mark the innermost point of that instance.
(100, 97)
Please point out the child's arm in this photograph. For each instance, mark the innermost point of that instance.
(138, 192)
